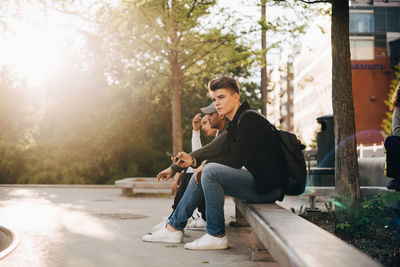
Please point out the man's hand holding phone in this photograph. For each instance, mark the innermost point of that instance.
(184, 160)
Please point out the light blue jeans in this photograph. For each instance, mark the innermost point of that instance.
(218, 180)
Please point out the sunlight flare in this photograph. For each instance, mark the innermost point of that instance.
(33, 53)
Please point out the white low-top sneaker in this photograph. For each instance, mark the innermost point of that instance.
(197, 224)
(164, 236)
(160, 225)
(208, 241)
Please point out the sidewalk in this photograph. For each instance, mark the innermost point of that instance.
(79, 226)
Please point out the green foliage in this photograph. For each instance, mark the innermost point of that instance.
(300, 212)
(329, 208)
(343, 226)
(387, 122)
(372, 215)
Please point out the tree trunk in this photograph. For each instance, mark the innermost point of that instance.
(264, 91)
(176, 105)
(346, 165)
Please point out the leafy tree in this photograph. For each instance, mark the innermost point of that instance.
(173, 43)
(15, 126)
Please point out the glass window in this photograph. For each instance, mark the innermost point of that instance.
(393, 19)
(361, 23)
(361, 49)
(380, 19)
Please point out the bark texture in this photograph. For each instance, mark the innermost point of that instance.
(346, 164)
(176, 105)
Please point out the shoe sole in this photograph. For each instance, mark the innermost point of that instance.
(196, 228)
(163, 241)
(207, 248)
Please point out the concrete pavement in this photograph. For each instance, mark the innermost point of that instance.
(95, 226)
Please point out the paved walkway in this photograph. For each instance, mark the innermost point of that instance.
(78, 226)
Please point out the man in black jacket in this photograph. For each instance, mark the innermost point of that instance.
(252, 143)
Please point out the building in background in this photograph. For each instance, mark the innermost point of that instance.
(312, 84)
(375, 50)
(373, 26)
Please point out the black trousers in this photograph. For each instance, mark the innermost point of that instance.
(392, 148)
(181, 191)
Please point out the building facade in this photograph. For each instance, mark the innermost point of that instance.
(374, 38)
(312, 84)
(373, 26)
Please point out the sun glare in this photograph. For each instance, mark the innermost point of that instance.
(33, 53)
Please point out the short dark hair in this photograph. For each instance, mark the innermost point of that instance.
(223, 82)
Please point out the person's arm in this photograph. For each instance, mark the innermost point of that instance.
(196, 141)
(176, 181)
(210, 150)
(196, 124)
(396, 122)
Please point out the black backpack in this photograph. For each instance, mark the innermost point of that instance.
(295, 163)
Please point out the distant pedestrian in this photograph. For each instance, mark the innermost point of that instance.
(392, 144)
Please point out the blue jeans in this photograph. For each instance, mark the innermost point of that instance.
(218, 180)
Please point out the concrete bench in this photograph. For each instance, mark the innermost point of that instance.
(146, 184)
(293, 241)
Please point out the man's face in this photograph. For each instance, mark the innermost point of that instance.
(215, 120)
(205, 126)
(225, 100)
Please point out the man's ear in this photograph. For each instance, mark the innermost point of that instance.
(236, 97)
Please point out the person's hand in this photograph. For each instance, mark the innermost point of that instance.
(199, 170)
(165, 174)
(175, 181)
(196, 122)
(183, 160)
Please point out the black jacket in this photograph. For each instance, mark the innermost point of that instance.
(251, 142)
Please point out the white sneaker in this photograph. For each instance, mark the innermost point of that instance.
(197, 224)
(208, 242)
(164, 236)
(159, 226)
(194, 216)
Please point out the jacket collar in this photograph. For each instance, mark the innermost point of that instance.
(243, 107)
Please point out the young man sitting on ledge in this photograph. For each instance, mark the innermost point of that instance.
(250, 142)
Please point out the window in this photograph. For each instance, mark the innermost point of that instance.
(361, 23)
(362, 48)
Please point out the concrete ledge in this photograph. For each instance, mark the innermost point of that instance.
(128, 185)
(293, 241)
(8, 241)
(57, 185)
(329, 191)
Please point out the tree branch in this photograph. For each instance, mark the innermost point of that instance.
(151, 46)
(191, 55)
(194, 5)
(202, 55)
